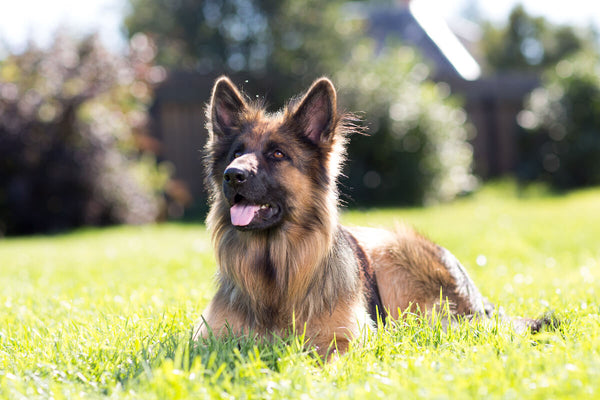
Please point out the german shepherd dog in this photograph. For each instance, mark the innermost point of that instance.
(284, 259)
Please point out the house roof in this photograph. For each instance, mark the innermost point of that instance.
(418, 25)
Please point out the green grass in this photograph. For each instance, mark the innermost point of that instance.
(108, 314)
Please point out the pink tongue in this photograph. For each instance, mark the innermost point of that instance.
(242, 215)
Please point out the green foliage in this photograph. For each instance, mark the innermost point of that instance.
(561, 141)
(286, 43)
(109, 313)
(72, 124)
(562, 119)
(417, 149)
(285, 38)
(206, 35)
(529, 43)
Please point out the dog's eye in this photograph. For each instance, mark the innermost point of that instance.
(237, 154)
(278, 154)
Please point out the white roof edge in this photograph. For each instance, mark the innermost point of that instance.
(438, 31)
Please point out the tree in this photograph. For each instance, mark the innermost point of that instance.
(530, 43)
(234, 35)
(204, 35)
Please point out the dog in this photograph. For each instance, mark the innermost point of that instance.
(284, 260)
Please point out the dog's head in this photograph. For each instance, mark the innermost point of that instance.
(263, 169)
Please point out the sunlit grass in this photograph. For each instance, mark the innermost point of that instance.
(109, 313)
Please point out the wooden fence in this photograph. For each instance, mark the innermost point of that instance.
(492, 105)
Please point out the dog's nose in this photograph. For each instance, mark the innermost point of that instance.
(235, 176)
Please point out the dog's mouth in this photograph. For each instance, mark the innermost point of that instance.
(246, 215)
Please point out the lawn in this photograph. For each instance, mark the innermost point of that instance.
(108, 313)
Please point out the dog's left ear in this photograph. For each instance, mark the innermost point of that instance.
(316, 112)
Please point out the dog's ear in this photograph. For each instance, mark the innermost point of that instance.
(226, 107)
(316, 112)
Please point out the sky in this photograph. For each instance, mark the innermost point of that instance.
(22, 20)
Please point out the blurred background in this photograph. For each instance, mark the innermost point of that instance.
(102, 102)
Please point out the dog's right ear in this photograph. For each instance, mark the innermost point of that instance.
(226, 107)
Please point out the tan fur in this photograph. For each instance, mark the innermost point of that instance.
(409, 272)
(329, 278)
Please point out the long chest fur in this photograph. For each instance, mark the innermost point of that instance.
(271, 280)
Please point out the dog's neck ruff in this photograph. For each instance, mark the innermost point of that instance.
(290, 270)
